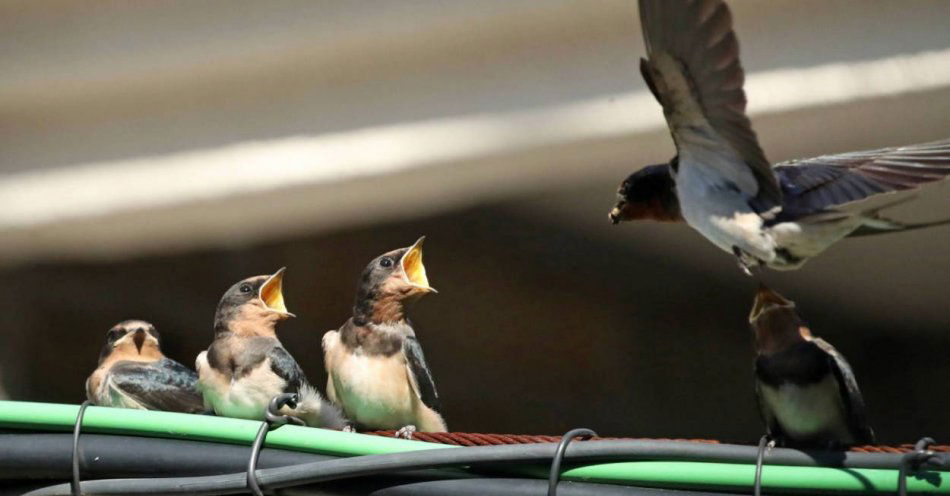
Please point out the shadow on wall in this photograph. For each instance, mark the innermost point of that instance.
(534, 330)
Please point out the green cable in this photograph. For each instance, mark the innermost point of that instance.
(699, 475)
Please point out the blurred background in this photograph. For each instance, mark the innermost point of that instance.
(154, 153)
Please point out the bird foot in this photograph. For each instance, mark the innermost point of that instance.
(742, 260)
(406, 432)
(349, 427)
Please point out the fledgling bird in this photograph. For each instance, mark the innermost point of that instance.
(133, 373)
(806, 391)
(246, 366)
(376, 370)
(720, 182)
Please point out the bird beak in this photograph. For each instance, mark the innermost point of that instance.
(414, 270)
(139, 339)
(766, 299)
(614, 215)
(272, 295)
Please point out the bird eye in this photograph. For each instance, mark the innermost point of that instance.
(245, 288)
(386, 262)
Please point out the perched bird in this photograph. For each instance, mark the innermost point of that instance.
(806, 391)
(246, 366)
(720, 182)
(133, 373)
(377, 373)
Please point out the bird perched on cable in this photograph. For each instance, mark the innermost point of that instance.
(806, 391)
(246, 366)
(133, 373)
(720, 182)
(376, 370)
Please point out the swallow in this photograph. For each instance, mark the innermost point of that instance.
(806, 391)
(376, 371)
(720, 182)
(246, 366)
(133, 373)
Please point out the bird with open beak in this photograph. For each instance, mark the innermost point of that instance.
(246, 366)
(720, 182)
(806, 391)
(133, 373)
(376, 370)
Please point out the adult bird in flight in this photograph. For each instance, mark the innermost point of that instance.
(720, 182)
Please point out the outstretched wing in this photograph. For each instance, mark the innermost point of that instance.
(815, 185)
(694, 72)
(419, 375)
(162, 385)
(850, 394)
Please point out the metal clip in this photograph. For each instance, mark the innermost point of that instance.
(913, 461)
(77, 429)
(555, 473)
(273, 420)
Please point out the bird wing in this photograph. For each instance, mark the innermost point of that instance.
(850, 394)
(419, 375)
(161, 385)
(693, 70)
(816, 185)
(284, 365)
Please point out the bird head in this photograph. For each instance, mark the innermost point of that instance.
(775, 321)
(134, 340)
(391, 280)
(255, 302)
(647, 194)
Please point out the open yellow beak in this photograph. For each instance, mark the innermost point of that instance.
(765, 298)
(271, 293)
(414, 269)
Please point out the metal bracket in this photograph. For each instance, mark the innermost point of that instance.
(555, 473)
(273, 420)
(74, 486)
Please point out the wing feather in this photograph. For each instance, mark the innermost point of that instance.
(162, 385)
(420, 377)
(698, 36)
(850, 394)
(816, 185)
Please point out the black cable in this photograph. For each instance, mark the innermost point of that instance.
(555, 472)
(484, 487)
(759, 462)
(77, 428)
(485, 456)
(48, 456)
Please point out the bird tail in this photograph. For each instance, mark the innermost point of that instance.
(316, 411)
(881, 225)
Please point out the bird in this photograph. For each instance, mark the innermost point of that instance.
(720, 182)
(376, 371)
(806, 391)
(246, 366)
(133, 373)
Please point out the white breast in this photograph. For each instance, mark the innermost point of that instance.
(374, 390)
(806, 412)
(245, 397)
(719, 212)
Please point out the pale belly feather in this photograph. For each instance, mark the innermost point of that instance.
(375, 390)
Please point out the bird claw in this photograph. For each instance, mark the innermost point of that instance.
(741, 260)
(406, 432)
(349, 428)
